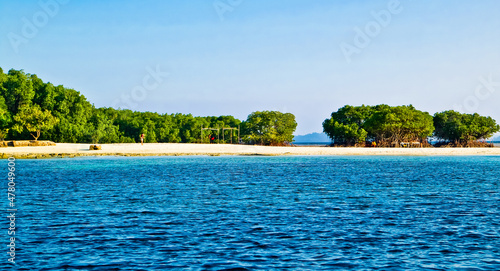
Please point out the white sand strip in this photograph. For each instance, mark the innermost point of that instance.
(65, 149)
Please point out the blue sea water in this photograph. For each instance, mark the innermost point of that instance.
(258, 213)
(311, 144)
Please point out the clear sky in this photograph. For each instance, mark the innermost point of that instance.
(233, 57)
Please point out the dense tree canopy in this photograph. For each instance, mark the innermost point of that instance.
(5, 118)
(461, 128)
(395, 124)
(17, 90)
(387, 125)
(269, 127)
(34, 120)
(29, 105)
(390, 125)
(346, 126)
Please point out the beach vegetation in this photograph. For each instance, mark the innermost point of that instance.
(30, 107)
(5, 118)
(34, 120)
(386, 125)
(462, 129)
(346, 125)
(54, 112)
(392, 125)
(269, 128)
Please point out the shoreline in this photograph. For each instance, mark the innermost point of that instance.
(69, 150)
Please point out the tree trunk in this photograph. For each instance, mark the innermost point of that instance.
(37, 135)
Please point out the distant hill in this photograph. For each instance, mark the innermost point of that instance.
(313, 137)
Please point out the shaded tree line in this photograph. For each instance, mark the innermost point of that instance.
(31, 108)
(390, 125)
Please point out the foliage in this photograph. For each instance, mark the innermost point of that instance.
(346, 126)
(29, 105)
(400, 123)
(103, 129)
(461, 128)
(5, 119)
(269, 127)
(384, 124)
(17, 90)
(80, 121)
(33, 119)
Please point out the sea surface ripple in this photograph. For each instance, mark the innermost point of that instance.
(258, 213)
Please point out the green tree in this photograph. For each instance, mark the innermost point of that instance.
(34, 120)
(346, 126)
(400, 123)
(74, 111)
(17, 90)
(149, 130)
(461, 128)
(5, 119)
(167, 131)
(80, 121)
(45, 93)
(269, 127)
(385, 124)
(103, 130)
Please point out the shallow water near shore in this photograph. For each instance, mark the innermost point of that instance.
(251, 213)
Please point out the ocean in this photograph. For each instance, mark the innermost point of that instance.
(257, 213)
(311, 144)
(316, 144)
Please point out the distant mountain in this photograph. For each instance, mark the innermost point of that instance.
(313, 137)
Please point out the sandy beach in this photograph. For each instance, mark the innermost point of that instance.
(176, 149)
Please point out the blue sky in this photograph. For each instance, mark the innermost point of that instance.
(233, 57)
